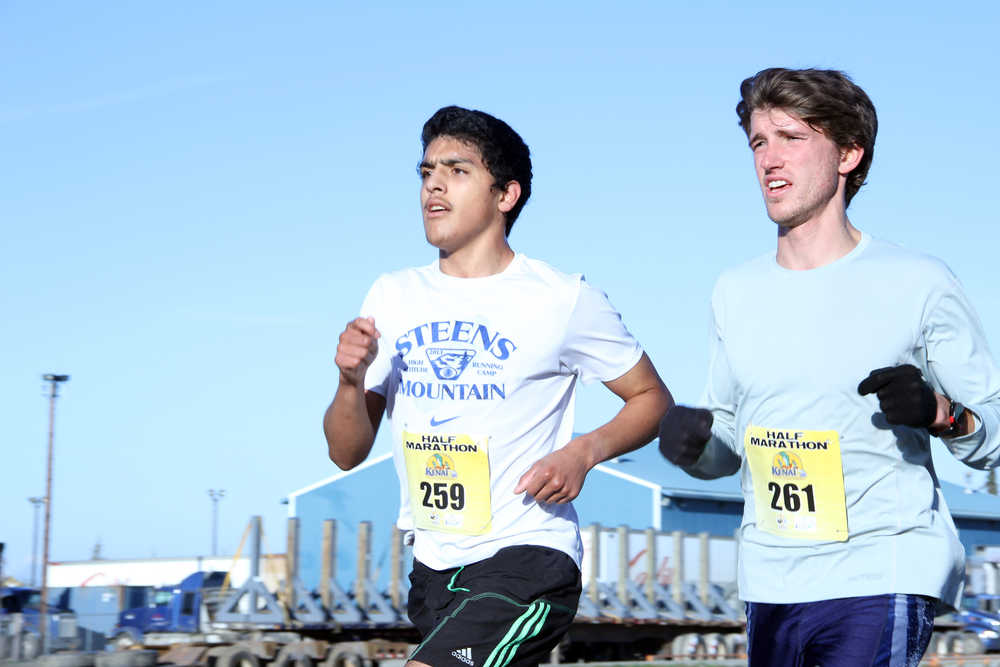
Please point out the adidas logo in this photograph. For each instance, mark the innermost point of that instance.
(465, 655)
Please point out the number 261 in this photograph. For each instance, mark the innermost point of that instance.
(792, 496)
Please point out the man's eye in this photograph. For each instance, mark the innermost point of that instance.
(457, 170)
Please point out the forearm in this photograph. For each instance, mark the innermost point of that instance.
(976, 442)
(973, 436)
(348, 426)
(635, 425)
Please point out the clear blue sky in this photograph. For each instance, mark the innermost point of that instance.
(195, 199)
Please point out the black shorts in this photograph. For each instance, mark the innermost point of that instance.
(510, 609)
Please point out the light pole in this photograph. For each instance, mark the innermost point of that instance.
(36, 502)
(53, 381)
(216, 495)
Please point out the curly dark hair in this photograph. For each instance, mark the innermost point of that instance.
(504, 152)
(827, 100)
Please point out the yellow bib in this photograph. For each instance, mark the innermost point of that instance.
(798, 482)
(448, 476)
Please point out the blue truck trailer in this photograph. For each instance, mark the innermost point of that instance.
(20, 621)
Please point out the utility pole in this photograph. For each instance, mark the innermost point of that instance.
(43, 623)
(216, 495)
(36, 503)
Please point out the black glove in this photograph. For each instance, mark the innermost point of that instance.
(684, 432)
(903, 394)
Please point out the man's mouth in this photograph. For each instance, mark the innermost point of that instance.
(436, 207)
(778, 185)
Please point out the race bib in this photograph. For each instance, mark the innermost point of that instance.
(798, 482)
(448, 475)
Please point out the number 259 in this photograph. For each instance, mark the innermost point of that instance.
(442, 495)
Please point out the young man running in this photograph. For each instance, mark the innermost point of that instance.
(832, 363)
(475, 359)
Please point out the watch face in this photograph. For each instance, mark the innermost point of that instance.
(955, 417)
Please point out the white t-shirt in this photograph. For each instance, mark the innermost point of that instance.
(486, 365)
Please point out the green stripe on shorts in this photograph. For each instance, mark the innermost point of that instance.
(527, 625)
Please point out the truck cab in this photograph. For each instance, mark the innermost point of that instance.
(180, 608)
(20, 613)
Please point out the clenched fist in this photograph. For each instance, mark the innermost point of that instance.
(903, 395)
(356, 350)
(684, 432)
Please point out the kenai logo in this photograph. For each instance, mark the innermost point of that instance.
(440, 465)
(787, 464)
(449, 364)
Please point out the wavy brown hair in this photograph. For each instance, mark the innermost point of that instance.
(827, 100)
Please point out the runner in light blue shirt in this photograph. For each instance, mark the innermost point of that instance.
(832, 364)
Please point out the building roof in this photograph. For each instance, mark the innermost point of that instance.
(294, 495)
(969, 503)
(648, 467)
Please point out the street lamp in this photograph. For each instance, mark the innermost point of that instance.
(54, 381)
(216, 495)
(36, 503)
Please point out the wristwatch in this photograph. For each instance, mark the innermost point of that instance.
(955, 411)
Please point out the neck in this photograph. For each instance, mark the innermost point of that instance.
(476, 262)
(816, 243)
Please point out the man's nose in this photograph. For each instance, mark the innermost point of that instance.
(771, 157)
(434, 182)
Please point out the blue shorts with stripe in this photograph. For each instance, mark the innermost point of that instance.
(879, 630)
(510, 609)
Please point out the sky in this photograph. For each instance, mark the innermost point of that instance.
(195, 198)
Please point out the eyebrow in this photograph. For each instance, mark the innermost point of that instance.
(448, 162)
(781, 132)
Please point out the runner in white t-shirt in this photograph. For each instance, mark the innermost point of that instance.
(475, 359)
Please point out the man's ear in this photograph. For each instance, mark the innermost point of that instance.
(850, 157)
(509, 196)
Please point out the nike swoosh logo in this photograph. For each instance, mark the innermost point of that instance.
(435, 422)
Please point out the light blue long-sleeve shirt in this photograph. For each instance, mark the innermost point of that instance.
(788, 349)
